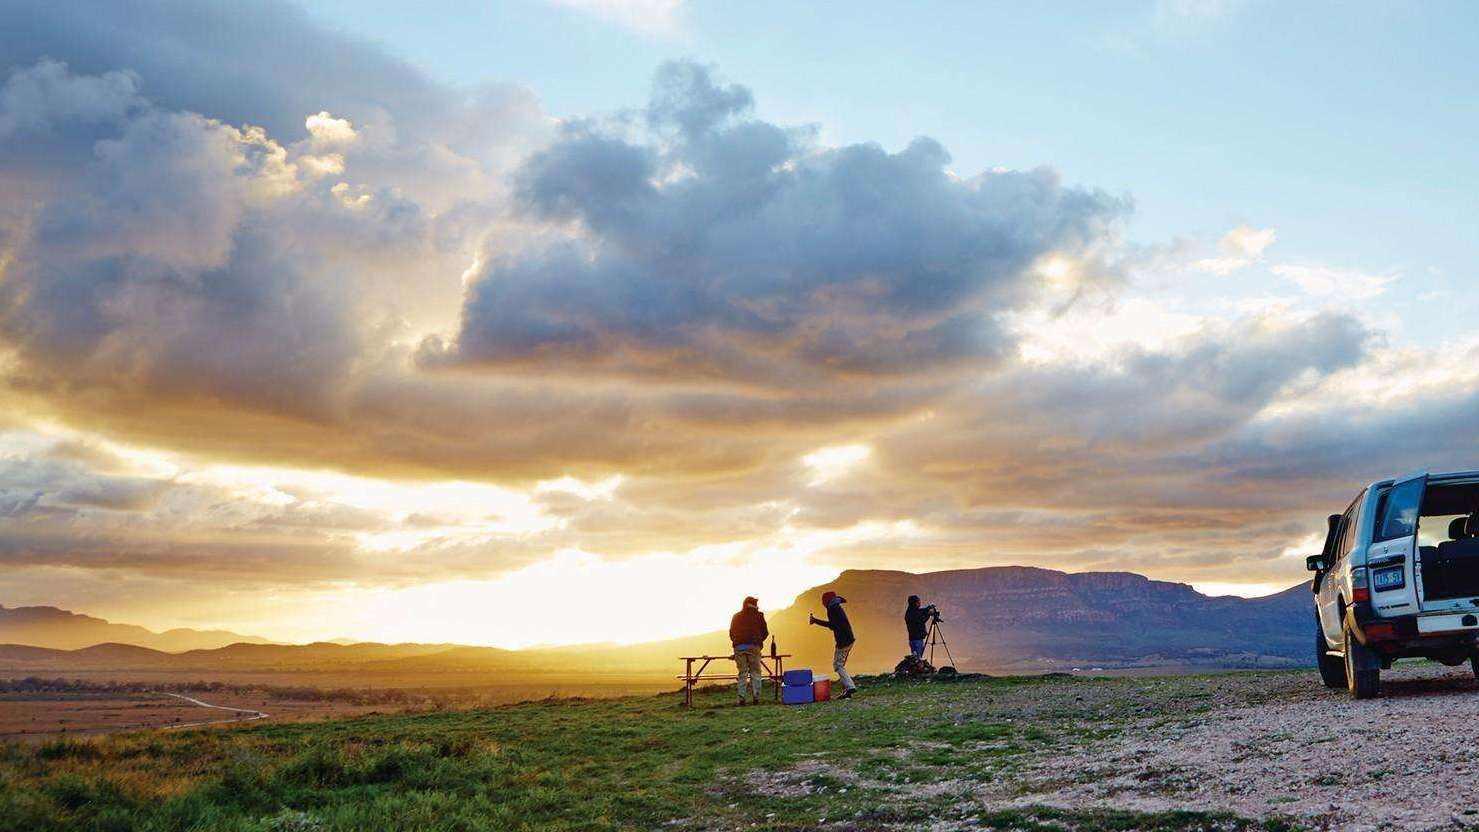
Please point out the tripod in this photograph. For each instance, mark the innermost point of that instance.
(937, 636)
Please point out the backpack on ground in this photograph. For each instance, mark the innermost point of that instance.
(912, 665)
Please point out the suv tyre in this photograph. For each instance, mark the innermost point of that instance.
(1332, 668)
(1363, 684)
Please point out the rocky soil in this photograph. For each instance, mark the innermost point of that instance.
(1408, 760)
(1242, 751)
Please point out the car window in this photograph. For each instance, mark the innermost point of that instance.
(1353, 525)
(1398, 517)
(1343, 537)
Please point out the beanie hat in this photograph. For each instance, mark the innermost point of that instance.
(828, 597)
(913, 600)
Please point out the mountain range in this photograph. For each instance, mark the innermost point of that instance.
(61, 629)
(1005, 617)
(994, 619)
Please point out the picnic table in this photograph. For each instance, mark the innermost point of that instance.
(772, 665)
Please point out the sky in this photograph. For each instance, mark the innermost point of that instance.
(556, 321)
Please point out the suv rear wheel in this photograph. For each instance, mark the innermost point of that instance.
(1363, 684)
(1332, 668)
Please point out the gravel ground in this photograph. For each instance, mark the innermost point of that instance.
(1289, 748)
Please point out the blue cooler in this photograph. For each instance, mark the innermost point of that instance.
(797, 695)
(797, 677)
(797, 687)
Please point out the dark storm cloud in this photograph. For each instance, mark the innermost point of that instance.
(181, 257)
(723, 246)
(271, 64)
(265, 62)
(33, 102)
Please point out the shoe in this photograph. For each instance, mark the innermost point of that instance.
(754, 701)
(847, 694)
(741, 704)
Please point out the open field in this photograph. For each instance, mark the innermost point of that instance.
(35, 717)
(34, 709)
(496, 688)
(1257, 750)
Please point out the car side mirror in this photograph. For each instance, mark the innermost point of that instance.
(1315, 563)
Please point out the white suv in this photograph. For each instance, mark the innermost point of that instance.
(1399, 577)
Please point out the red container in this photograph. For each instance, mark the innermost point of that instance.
(821, 690)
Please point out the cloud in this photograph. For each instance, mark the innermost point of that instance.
(327, 132)
(188, 283)
(834, 461)
(268, 64)
(1182, 18)
(1326, 281)
(1145, 406)
(34, 100)
(194, 521)
(174, 262)
(156, 265)
(1239, 248)
(1196, 9)
(1168, 21)
(723, 246)
(649, 17)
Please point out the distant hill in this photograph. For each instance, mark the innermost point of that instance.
(64, 630)
(995, 619)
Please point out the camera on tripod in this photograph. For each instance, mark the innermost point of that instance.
(926, 633)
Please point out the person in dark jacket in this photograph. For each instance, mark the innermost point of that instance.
(842, 637)
(747, 633)
(917, 622)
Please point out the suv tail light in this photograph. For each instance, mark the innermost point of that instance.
(1380, 632)
(1360, 589)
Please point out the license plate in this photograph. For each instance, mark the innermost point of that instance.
(1386, 579)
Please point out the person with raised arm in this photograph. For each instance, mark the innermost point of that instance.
(842, 638)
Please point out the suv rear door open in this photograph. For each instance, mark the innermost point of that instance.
(1448, 567)
(1391, 560)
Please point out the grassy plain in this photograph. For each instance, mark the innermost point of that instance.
(900, 756)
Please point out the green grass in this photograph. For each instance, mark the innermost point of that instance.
(635, 763)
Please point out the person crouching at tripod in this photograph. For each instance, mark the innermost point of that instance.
(747, 632)
(917, 622)
(842, 637)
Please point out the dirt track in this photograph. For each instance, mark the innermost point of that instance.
(236, 714)
(1408, 760)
